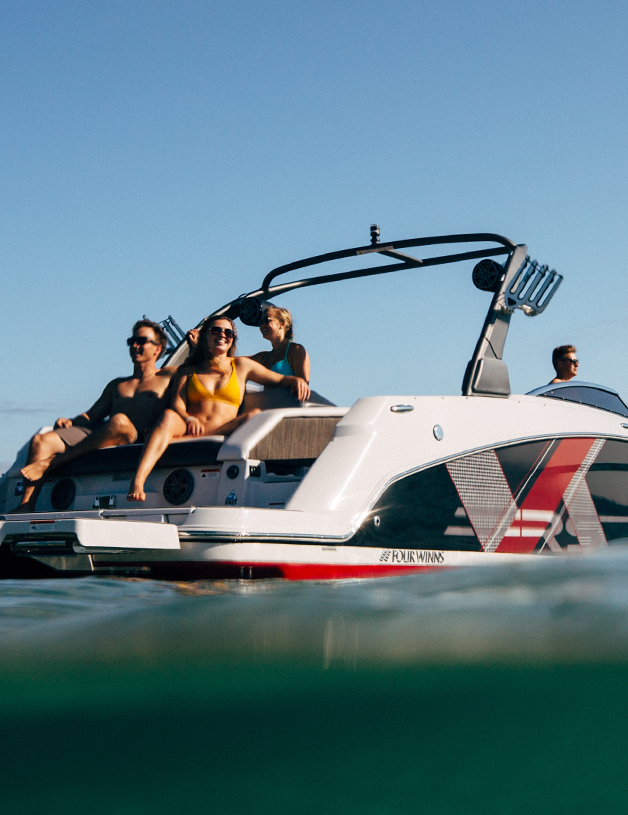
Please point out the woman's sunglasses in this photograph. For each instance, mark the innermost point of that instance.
(217, 331)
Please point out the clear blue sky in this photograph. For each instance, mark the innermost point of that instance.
(159, 157)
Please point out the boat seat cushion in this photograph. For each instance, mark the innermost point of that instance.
(296, 437)
(126, 457)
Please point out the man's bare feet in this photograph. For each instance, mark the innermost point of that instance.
(136, 491)
(34, 471)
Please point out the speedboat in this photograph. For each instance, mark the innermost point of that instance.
(391, 485)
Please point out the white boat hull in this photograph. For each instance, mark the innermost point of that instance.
(385, 494)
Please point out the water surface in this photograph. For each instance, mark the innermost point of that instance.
(494, 689)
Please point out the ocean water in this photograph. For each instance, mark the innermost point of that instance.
(493, 690)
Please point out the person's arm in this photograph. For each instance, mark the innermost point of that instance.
(192, 337)
(179, 404)
(299, 361)
(264, 376)
(96, 413)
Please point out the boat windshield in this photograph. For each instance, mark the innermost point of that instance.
(583, 393)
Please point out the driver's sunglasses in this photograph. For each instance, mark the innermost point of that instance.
(216, 330)
(571, 361)
(141, 341)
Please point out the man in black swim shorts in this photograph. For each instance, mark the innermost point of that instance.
(132, 404)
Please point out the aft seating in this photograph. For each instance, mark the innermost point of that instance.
(297, 438)
(180, 453)
(262, 463)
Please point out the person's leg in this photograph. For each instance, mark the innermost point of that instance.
(118, 430)
(43, 446)
(170, 426)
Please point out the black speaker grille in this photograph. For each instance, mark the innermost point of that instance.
(178, 487)
(62, 494)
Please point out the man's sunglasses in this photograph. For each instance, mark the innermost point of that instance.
(217, 331)
(141, 341)
(571, 361)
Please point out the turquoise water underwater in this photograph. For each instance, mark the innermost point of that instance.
(493, 690)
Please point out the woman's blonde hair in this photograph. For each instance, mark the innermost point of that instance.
(201, 353)
(283, 316)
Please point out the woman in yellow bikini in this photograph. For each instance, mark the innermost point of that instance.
(207, 394)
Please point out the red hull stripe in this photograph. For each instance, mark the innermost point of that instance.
(330, 571)
(224, 569)
(549, 488)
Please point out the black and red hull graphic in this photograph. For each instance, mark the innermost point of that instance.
(548, 495)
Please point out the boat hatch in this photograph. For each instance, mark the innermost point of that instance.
(584, 393)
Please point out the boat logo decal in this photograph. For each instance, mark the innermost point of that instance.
(412, 556)
(231, 500)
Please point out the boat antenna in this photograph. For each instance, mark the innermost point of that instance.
(374, 234)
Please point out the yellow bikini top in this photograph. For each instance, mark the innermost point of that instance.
(229, 393)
